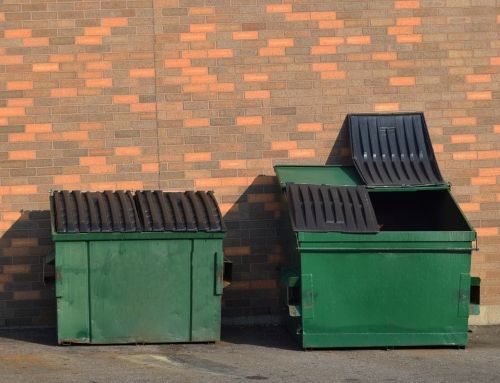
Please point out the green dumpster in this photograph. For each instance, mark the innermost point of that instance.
(377, 254)
(137, 268)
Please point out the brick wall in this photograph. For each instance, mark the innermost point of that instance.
(209, 94)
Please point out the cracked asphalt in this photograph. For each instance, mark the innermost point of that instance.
(245, 354)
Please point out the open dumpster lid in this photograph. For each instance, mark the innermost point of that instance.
(331, 208)
(393, 150)
(179, 211)
(94, 212)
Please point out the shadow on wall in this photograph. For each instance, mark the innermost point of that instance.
(25, 298)
(254, 247)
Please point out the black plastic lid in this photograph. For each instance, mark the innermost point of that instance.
(393, 150)
(331, 208)
(176, 211)
(94, 212)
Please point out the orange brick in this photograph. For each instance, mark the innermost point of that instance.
(61, 58)
(67, 179)
(17, 33)
(489, 172)
(195, 71)
(177, 63)
(386, 107)
(260, 198)
(488, 154)
(331, 24)
(323, 50)
(45, 67)
(402, 81)
(400, 30)
(463, 138)
(38, 128)
(237, 250)
(127, 151)
(188, 37)
(384, 56)
(20, 102)
(317, 67)
(16, 269)
(273, 43)
(247, 35)
(205, 79)
(278, 8)
(233, 164)
(302, 153)
(63, 92)
(21, 137)
(407, 4)
(333, 75)
(283, 145)
(22, 190)
(249, 120)
(495, 60)
(26, 295)
(408, 21)
(129, 185)
(11, 60)
(255, 77)
(268, 51)
(359, 40)
(219, 53)
(326, 15)
(196, 122)
(197, 157)
(256, 94)
(461, 121)
(75, 136)
(438, 148)
(331, 40)
(88, 40)
(201, 11)
(469, 206)
(221, 87)
(478, 78)
(141, 73)
(298, 16)
(150, 167)
(235, 181)
(99, 83)
(36, 41)
(102, 169)
(496, 128)
(483, 181)
(208, 27)
(97, 31)
(125, 99)
(471, 155)
(2, 17)
(114, 22)
(14, 111)
(478, 96)
(22, 155)
(19, 85)
(202, 183)
(487, 231)
(410, 38)
(310, 127)
(99, 65)
(92, 161)
(145, 107)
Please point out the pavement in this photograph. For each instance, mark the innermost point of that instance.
(245, 354)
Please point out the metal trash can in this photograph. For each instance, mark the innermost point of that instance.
(378, 254)
(143, 268)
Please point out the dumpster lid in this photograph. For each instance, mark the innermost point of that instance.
(393, 149)
(179, 211)
(94, 212)
(331, 208)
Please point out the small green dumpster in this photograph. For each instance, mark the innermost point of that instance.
(377, 254)
(137, 268)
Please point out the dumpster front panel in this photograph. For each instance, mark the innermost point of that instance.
(384, 298)
(140, 291)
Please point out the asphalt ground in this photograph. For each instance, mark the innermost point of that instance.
(245, 354)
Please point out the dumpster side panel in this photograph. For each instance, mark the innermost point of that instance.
(72, 292)
(140, 291)
(373, 298)
(207, 284)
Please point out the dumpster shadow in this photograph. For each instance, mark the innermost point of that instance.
(341, 150)
(262, 336)
(27, 297)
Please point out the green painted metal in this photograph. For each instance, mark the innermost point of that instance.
(385, 289)
(138, 290)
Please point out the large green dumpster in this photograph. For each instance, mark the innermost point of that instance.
(137, 268)
(376, 265)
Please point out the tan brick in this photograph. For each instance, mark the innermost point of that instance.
(233, 164)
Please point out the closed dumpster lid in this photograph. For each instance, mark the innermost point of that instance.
(179, 211)
(393, 150)
(94, 212)
(331, 208)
